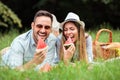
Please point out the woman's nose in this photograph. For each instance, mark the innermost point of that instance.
(68, 31)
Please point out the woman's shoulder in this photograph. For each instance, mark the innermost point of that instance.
(86, 35)
(52, 36)
(59, 36)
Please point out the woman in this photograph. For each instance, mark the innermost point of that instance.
(80, 42)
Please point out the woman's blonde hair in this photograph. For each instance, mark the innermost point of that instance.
(80, 44)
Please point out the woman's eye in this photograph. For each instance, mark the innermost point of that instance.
(65, 29)
(72, 29)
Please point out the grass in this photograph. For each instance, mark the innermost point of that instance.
(104, 36)
(98, 71)
(6, 39)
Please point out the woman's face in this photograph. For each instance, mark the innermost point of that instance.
(70, 30)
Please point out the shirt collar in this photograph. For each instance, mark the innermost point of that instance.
(32, 40)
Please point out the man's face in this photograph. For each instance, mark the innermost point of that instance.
(41, 27)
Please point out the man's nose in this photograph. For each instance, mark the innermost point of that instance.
(42, 29)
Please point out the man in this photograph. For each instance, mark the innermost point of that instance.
(22, 53)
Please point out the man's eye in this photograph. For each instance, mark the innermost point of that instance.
(39, 26)
(47, 27)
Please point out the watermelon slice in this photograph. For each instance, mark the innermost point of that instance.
(41, 44)
(68, 43)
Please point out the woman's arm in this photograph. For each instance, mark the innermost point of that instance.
(89, 47)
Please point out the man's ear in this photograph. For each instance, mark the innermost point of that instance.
(32, 25)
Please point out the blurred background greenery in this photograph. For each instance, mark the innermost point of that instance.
(19, 13)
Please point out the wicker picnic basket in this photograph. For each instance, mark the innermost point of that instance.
(105, 50)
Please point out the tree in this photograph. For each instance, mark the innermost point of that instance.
(8, 19)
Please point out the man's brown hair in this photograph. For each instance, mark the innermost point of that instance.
(43, 13)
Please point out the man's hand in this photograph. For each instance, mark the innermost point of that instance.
(40, 55)
(37, 59)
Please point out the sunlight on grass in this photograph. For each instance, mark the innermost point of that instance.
(99, 70)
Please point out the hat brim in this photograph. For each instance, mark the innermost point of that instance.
(79, 22)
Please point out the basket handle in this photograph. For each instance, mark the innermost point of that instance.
(104, 30)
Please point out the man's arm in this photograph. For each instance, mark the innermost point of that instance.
(14, 57)
(37, 59)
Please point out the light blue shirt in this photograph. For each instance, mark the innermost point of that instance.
(23, 48)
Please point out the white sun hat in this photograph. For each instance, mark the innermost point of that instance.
(73, 17)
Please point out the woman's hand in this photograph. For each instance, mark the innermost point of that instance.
(68, 53)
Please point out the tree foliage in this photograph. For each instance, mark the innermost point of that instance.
(92, 12)
(8, 18)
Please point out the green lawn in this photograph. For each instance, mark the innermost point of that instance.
(6, 39)
(97, 71)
